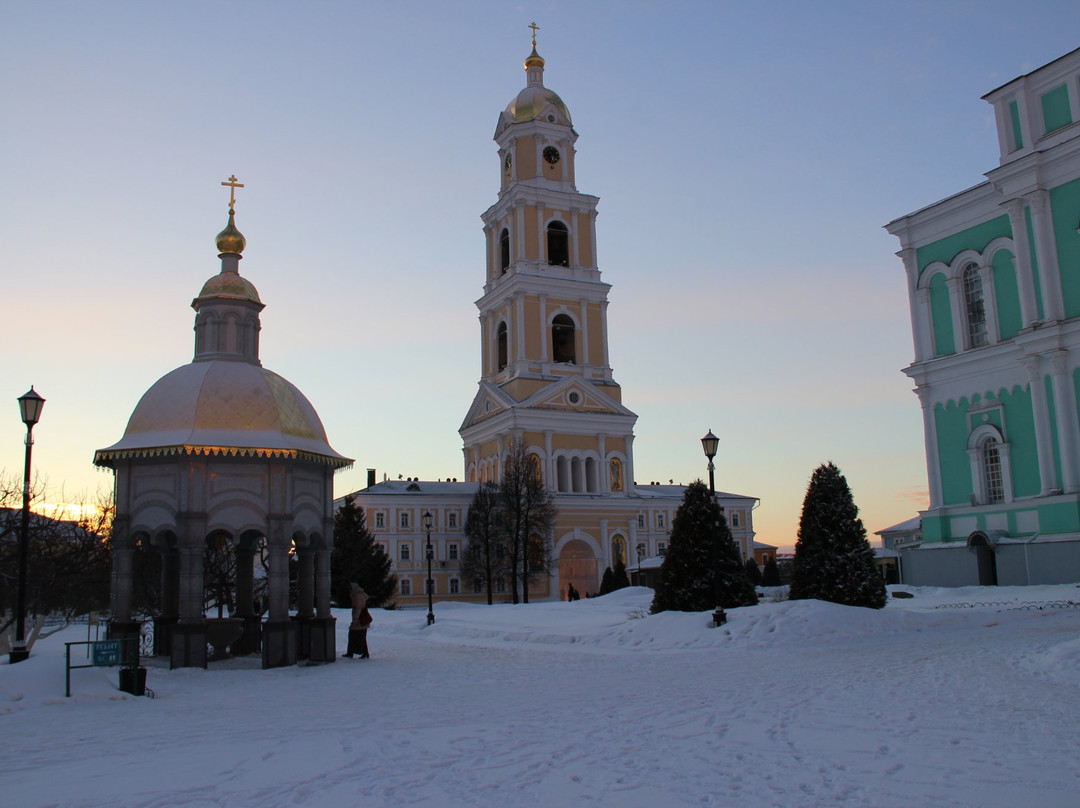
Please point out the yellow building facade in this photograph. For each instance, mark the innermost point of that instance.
(546, 383)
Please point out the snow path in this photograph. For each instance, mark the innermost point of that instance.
(790, 704)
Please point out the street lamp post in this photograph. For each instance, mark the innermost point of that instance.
(430, 586)
(30, 405)
(709, 444)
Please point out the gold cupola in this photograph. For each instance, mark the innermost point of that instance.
(230, 240)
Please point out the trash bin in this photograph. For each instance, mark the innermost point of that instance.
(133, 680)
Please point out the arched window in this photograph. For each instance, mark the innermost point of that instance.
(558, 244)
(501, 339)
(616, 474)
(975, 307)
(991, 467)
(562, 339)
(504, 249)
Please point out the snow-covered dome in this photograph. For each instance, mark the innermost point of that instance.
(225, 401)
(223, 407)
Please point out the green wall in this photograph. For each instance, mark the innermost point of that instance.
(974, 238)
(951, 423)
(1065, 208)
(1019, 428)
(1007, 293)
(941, 314)
(1018, 132)
(1055, 108)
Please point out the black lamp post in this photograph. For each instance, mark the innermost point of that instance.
(430, 586)
(30, 405)
(709, 444)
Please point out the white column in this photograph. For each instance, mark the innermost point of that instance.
(933, 462)
(605, 471)
(575, 257)
(1044, 445)
(993, 330)
(919, 301)
(595, 249)
(961, 339)
(541, 233)
(551, 480)
(519, 243)
(543, 329)
(1046, 251)
(1065, 411)
(1025, 278)
(604, 338)
(520, 330)
(584, 360)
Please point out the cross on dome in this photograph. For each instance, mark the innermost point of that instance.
(232, 185)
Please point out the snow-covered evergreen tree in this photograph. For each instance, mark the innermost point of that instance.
(770, 575)
(833, 559)
(702, 568)
(753, 572)
(357, 557)
(606, 582)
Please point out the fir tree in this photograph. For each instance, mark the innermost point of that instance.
(833, 559)
(357, 557)
(607, 583)
(770, 576)
(701, 569)
(753, 572)
(619, 578)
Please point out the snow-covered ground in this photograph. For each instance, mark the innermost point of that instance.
(586, 703)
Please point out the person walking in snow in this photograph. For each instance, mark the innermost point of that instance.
(361, 619)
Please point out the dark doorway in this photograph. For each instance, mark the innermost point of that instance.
(985, 559)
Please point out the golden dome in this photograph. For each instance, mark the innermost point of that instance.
(534, 59)
(231, 240)
(229, 284)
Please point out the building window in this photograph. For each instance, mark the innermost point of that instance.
(406, 586)
(735, 519)
(558, 244)
(641, 521)
(992, 477)
(500, 586)
(404, 552)
(660, 520)
(504, 249)
(404, 520)
(380, 519)
(451, 520)
(642, 551)
(452, 552)
(975, 306)
(455, 586)
(562, 339)
(477, 586)
(501, 342)
(661, 548)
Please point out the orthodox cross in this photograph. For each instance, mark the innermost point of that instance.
(232, 185)
(535, 28)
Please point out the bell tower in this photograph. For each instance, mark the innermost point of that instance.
(545, 374)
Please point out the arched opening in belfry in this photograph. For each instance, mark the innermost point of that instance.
(502, 348)
(562, 339)
(558, 244)
(504, 250)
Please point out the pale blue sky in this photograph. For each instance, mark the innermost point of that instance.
(746, 156)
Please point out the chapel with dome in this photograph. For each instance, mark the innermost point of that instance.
(224, 454)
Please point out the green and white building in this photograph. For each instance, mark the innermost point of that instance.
(993, 278)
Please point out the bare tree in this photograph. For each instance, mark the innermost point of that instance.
(68, 559)
(530, 516)
(484, 559)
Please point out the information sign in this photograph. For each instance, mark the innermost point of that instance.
(106, 652)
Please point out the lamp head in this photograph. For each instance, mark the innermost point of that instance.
(30, 405)
(709, 444)
(427, 517)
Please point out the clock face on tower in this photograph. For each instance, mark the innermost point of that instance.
(551, 155)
